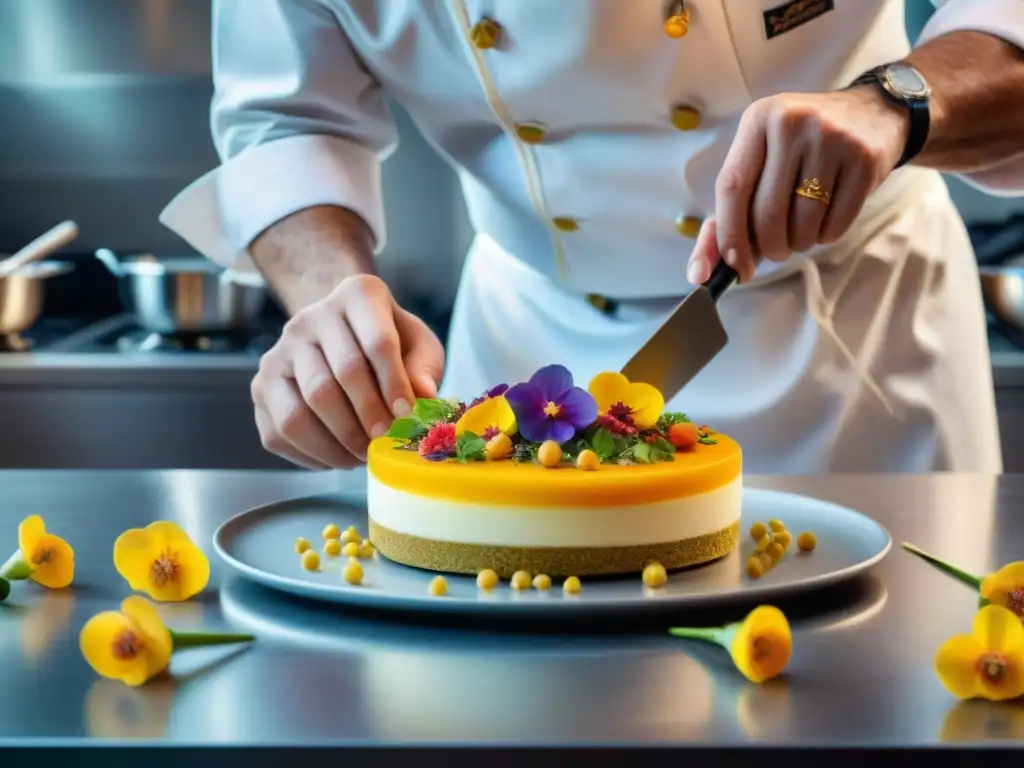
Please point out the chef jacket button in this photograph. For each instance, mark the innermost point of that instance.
(531, 133)
(485, 33)
(678, 23)
(565, 224)
(686, 118)
(688, 226)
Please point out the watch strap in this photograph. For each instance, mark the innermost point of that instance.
(918, 109)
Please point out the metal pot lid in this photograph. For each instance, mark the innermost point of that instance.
(42, 270)
(147, 264)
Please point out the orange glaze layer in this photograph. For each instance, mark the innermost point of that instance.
(504, 483)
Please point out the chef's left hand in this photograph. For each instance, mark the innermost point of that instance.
(848, 140)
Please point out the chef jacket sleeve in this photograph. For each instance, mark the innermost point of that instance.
(297, 121)
(1001, 18)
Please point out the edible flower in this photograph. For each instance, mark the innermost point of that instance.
(133, 645)
(161, 561)
(760, 645)
(495, 391)
(989, 662)
(439, 442)
(1005, 587)
(621, 402)
(550, 407)
(488, 418)
(46, 559)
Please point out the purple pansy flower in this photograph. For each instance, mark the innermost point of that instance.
(549, 407)
(501, 389)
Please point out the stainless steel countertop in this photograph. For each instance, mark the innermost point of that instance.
(861, 670)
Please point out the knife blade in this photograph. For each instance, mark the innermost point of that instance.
(687, 341)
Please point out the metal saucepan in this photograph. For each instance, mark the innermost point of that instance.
(184, 295)
(21, 300)
(1003, 290)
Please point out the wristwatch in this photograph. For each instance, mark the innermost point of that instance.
(904, 85)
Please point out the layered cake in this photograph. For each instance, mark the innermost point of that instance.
(548, 477)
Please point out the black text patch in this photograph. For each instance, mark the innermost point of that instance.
(782, 18)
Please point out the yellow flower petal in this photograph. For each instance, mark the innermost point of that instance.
(1005, 587)
(157, 644)
(53, 561)
(998, 630)
(161, 561)
(1010, 682)
(164, 533)
(608, 389)
(646, 402)
(492, 412)
(956, 665)
(134, 553)
(762, 645)
(30, 531)
(97, 642)
(194, 570)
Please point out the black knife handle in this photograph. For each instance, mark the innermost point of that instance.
(722, 277)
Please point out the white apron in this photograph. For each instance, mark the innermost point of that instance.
(871, 358)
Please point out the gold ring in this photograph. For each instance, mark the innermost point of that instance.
(812, 190)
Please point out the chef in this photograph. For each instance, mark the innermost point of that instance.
(611, 152)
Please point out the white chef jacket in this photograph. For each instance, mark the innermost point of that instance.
(579, 181)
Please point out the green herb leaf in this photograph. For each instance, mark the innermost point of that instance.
(669, 418)
(603, 444)
(407, 428)
(470, 447)
(429, 411)
(707, 441)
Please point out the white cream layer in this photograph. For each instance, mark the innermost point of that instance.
(510, 526)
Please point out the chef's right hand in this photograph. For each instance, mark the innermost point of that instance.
(341, 371)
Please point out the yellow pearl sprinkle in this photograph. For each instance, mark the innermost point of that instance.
(438, 587)
(332, 531)
(353, 572)
(351, 549)
(332, 547)
(755, 568)
(775, 551)
(758, 531)
(520, 580)
(311, 560)
(572, 586)
(542, 582)
(655, 575)
(487, 579)
(348, 536)
(301, 545)
(366, 549)
(777, 526)
(807, 541)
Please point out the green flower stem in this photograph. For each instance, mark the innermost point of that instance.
(973, 582)
(197, 639)
(716, 635)
(16, 569)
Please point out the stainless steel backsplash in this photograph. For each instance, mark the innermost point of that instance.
(104, 116)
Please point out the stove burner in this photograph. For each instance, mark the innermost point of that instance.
(143, 342)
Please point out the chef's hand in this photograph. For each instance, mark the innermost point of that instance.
(341, 371)
(848, 140)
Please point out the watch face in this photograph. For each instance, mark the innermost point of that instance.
(906, 81)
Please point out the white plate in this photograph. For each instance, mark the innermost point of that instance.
(259, 544)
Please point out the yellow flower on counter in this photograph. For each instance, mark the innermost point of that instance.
(161, 561)
(636, 403)
(134, 645)
(1005, 587)
(760, 645)
(989, 662)
(494, 413)
(46, 559)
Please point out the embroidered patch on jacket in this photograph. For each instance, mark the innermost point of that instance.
(783, 18)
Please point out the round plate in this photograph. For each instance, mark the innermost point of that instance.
(259, 544)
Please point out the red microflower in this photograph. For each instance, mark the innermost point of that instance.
(490, 432)
(615, 426)
(439, 442)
